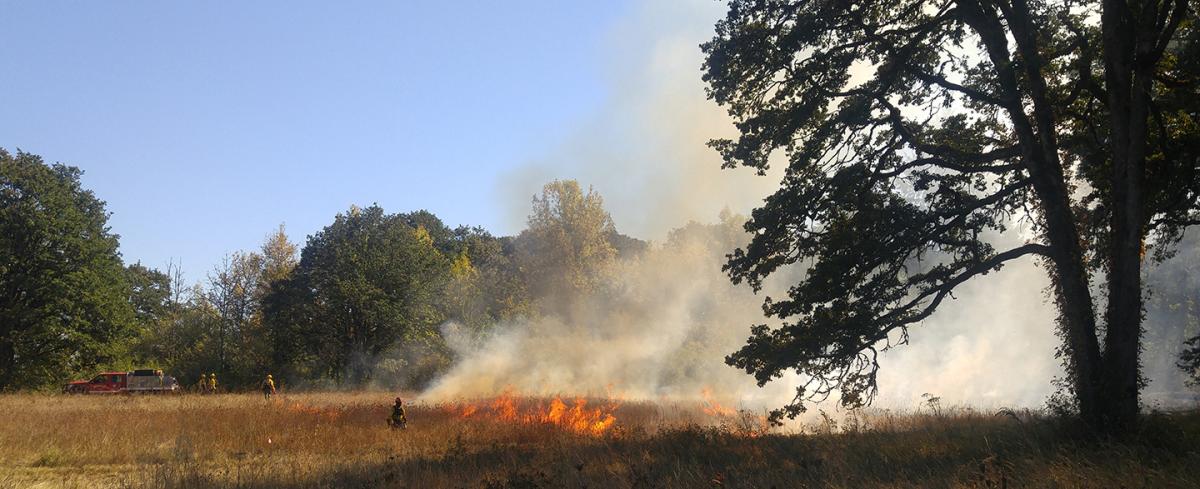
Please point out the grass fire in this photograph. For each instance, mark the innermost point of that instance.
(576, 417)
(607, 244)
(340, 440)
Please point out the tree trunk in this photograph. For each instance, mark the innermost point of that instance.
(1078, 318)
(1040, 154)
(8, 363)
(1122, 341)
(1127, 76)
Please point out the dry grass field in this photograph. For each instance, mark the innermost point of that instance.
(340, 440)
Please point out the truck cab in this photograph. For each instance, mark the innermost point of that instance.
(104, 383)
(149, 381)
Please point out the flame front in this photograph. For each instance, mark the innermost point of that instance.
(714, 408)
(577, 417)
(505, 407)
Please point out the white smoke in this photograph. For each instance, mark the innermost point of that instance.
(665, 327)
(993, 345)
(659, 331)
(645, 150)
(662, 330)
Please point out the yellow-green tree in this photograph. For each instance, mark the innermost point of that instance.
(566, 250)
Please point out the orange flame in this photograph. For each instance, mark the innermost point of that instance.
(577, 417)
(714, 408)
(505, 407)
(744, 423)
(557, 409)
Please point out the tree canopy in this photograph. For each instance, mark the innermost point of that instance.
(364, 283)
(65, 303)
(911, 130)
(567, 246)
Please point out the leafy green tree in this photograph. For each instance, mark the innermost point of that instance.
(289, 317)
(486, 285)
(364, 284)
(153, 299)
(219, 326)
(915, 127)
(627, 246)
(1189, 360)
(233, 293)
(566, 250)
(184, 342)
(444, 239)
(149, 293)
(270, 351)
(64, 297)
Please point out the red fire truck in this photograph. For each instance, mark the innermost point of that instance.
(148, 381)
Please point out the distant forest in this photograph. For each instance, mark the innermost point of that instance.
(361, 302)
(370, 285)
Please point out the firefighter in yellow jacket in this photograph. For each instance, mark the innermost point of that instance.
(268, 387)
(398, 420)
(212, 383)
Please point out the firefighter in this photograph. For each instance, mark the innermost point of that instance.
(268, 387)
(202, 385)
(398, 420)
(212, 383)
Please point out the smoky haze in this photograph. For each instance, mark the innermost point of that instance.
(644, 151)
(658, 329)
(662, 327)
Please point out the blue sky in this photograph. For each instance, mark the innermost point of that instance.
(206, 124)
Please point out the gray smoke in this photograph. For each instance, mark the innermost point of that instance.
(663, 327)
(659, 330)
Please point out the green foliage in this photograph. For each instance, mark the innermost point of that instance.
(487, 285)
(184, 343)
(911, 130)
(215, 327)
(64, 296)
(240, 341)
(566, 250)
(150, 293)
(364, 284)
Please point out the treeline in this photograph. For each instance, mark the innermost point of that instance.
(364, 287)
(362, 302)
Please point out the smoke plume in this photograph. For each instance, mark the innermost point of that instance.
(659, 330)
(663, 327)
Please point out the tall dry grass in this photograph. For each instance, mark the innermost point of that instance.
(340, 440)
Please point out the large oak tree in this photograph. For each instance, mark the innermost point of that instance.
(364, 284)
(64, 298)
(911, 128)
